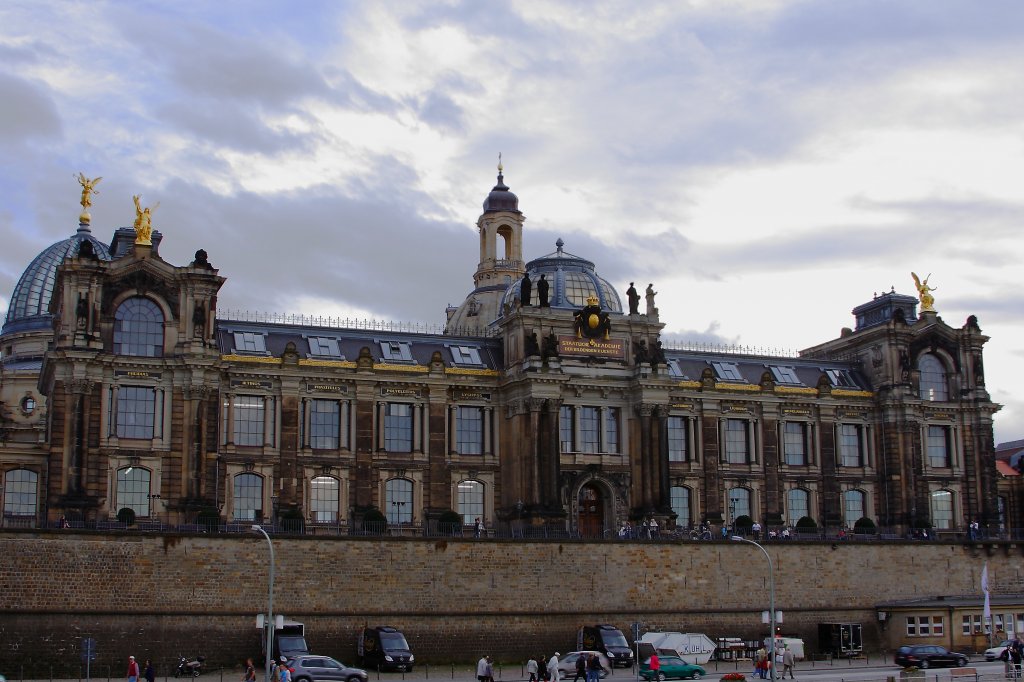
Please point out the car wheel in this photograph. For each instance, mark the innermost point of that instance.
(354, 678)
(923, 665)
(661, 676)
(961, 662)
(697, 676)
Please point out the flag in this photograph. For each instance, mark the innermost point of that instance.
(984, 588)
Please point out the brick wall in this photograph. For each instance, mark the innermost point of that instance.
(158, 596)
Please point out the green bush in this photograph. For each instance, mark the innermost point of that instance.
(864, 525)
(374, 521)
(126, 515)
(744, 522)
(208, 518)
(806, 523)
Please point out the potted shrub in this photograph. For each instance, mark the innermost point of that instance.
(449, 523)
(864, 526)
(126, 515)
(374, 521)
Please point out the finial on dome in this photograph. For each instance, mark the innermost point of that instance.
(559, 244)
(501, 168)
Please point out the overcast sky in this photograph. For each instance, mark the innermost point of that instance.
(769, 165)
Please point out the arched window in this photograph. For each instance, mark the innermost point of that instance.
(398, 500)
(798, 505)
(933, 378)
(133, 490)
(739, 503)
(471, 501)
(139, 328)
(21, 492)
(248, 500)
(679, 498)
(942, 509)
(853, 507)
(323, 499)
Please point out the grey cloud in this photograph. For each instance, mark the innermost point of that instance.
(28, 110)
(227, 124)
(440, 111)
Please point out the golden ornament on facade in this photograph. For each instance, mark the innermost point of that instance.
(143, 222)
(924, 292)
(88, 189)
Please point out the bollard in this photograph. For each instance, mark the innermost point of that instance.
(426, 670)
(453, 671)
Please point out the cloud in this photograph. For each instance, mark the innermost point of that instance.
(28, 111)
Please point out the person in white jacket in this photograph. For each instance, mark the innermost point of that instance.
(553, 668)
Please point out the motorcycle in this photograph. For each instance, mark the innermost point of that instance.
(189, 668)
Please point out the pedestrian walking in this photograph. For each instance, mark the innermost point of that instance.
(581, 668)
(149, 673)
(788, 662)
(481, 669)
(133, 670)
(553, 668)
(531, 669)
(593, 668)
(250, 671)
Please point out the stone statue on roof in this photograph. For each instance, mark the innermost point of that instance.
(143, 222)
(924, 292)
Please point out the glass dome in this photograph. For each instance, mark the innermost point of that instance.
(30, 301)
(572, 281)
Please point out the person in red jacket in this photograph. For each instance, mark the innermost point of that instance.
(654, 665)
(133, 670)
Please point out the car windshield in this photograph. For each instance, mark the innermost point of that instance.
(614, 638)
(288, 643)
(393, 641)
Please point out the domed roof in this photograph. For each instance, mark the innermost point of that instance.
(30, 301)
(500, 199)
(572, 280)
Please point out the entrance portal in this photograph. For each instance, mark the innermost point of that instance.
(591, 512)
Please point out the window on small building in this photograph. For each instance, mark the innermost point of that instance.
(250, 342)
(942, 509)
(248, 497)
(133, 490)
(728, 371)
(589, 429)
(565, 429)
(972, 623)
(139, 328)
(611, 430)
(21, 492)
(933, 378)
(398, 427)
(679, 499)
(466, 355)
(853, 507)
(920, 626)
(795, 443)
(324, 424)
(797, 505)
(398, 500)
(471, 501)
(249, 414)
(938, 447)
(323, 499)
(677, 439)
(396, 351)
(785, 375)
(469, 430)
(737, 450)
(851, 452)
(324, 346)
(136, 412)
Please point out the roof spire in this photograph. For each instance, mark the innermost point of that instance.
(500, 167)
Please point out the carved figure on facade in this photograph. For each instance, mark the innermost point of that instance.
(652, 310)
(202, 260)
(530, 346)
(525, 290)
(199, 320)
(924, 292)
(550, 349)
(542, 292)
(658, 354)
(591, 322)
(640, 352)
(143, 221)
(634, 300)
(82, 311)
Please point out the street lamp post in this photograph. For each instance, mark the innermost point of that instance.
(270, 603)
(771, 604)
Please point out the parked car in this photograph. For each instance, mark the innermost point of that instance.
(995, 652)
(567, 664)
(309, 668)
(671, 666)
(928, 655)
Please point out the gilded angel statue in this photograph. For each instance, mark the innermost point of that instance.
(88, 189)
(924, 292)
(143, 221)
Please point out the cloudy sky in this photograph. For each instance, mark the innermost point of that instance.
(768, 164)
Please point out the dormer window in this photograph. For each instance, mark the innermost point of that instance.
(323, 346)
(250, 342)
(466, 355)
(841, 378)
(728, 371)
(675, 371)
(785, 375)
(396, 351)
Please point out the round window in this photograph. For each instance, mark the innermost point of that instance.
(28, 404)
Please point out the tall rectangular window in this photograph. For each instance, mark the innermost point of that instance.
(677, 440)
(938, 446)
(469, 430)
(398, 427)
(565, 428)
(324, 424)
(850, 450)
(249, 414)
(589, 429)
(136, 412)
(795, 443)
(611, 429)
(323, 499)
(737, 449)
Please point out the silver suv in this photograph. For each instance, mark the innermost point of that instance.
(308, 668)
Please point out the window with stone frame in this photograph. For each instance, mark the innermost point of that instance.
(938, 446)
(398, 500)
(324, 424)
(398, 427)
(324, 494)
(21, 493)
(590, 429)
(469, 430)
(139, 328)
(933, 384)
(853, 507)
(798, 505)
(565, 429)
(133, 490)
(678, 442)
(942, 509)
(611, 430)
(249, 415)
(851, 452)
(136, 412)
(737, 445)
(679, 499)
(794, 435)
(471, 501)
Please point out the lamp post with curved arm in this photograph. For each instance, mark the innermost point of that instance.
(771, 603)
(270, 603)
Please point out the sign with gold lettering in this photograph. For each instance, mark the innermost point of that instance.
(326, 388)
(251, 383)
(396, 391)
(460, 394)
(137, 374)
(613, 349)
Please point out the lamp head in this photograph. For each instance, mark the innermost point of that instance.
(736, 538)
(256, 527)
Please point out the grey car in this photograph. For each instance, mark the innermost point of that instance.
(309, 668)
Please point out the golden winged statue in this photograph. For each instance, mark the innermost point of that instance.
(88, 189)
(143, 222)
(924, 292)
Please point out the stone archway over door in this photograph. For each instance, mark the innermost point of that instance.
(591, 511)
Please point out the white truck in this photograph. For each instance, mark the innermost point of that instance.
(692, 647)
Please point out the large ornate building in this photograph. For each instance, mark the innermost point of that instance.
(543, 404)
